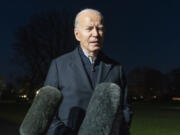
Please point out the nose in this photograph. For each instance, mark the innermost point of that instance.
(95, 32)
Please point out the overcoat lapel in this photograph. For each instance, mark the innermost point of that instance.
(103, 72)
(78, 68)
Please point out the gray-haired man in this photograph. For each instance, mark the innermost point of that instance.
(77, 73)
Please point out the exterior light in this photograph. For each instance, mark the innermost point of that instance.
(135, 98)
(176, 98)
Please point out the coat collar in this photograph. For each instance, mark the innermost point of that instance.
(77, 66)
(105, 68)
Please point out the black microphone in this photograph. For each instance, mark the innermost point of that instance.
(75, 119)
(41, 112)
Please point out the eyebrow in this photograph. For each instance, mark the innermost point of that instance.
(100, 26)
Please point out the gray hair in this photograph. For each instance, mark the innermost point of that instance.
(76, 22)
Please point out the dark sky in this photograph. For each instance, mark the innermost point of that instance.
(138, 32)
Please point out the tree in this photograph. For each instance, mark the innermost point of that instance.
(46, 36)
(147, 82)
(2, 86)
(174, 81)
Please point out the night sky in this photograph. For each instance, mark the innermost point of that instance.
(138, 32)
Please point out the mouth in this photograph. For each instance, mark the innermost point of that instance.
(95, 42)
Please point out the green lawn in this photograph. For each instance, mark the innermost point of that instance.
(156, 119)
(149, 118)
(13, 111)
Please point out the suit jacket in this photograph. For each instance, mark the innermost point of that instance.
(68, 75)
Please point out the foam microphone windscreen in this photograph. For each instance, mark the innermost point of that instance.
(41, 111)
(103, 115)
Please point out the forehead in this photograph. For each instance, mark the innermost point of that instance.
(90, 18)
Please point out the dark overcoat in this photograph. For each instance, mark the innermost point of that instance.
(68, 74)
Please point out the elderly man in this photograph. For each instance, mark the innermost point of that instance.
(77, 73)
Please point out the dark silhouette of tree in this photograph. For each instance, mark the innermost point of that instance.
(155, 82)
(9, 92)
(2, 86)
(174, 81)
(46, 36)
(147, 82)
(136, 82)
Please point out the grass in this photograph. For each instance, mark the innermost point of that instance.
(156, 119)
(13, 111)
(149, 118)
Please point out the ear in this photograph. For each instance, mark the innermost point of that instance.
(76, 33)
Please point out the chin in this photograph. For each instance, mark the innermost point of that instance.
(96, 49)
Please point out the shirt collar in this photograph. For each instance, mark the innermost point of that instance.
(86, 54)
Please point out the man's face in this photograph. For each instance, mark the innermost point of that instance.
(90, 32)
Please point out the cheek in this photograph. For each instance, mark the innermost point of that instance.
(86, 37)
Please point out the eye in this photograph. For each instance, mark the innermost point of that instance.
(89, 28)
(100, 28)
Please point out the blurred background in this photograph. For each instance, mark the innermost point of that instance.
(142, 35)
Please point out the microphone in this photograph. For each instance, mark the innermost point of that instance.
(41, 112)
(75, 119)
(104, 112)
